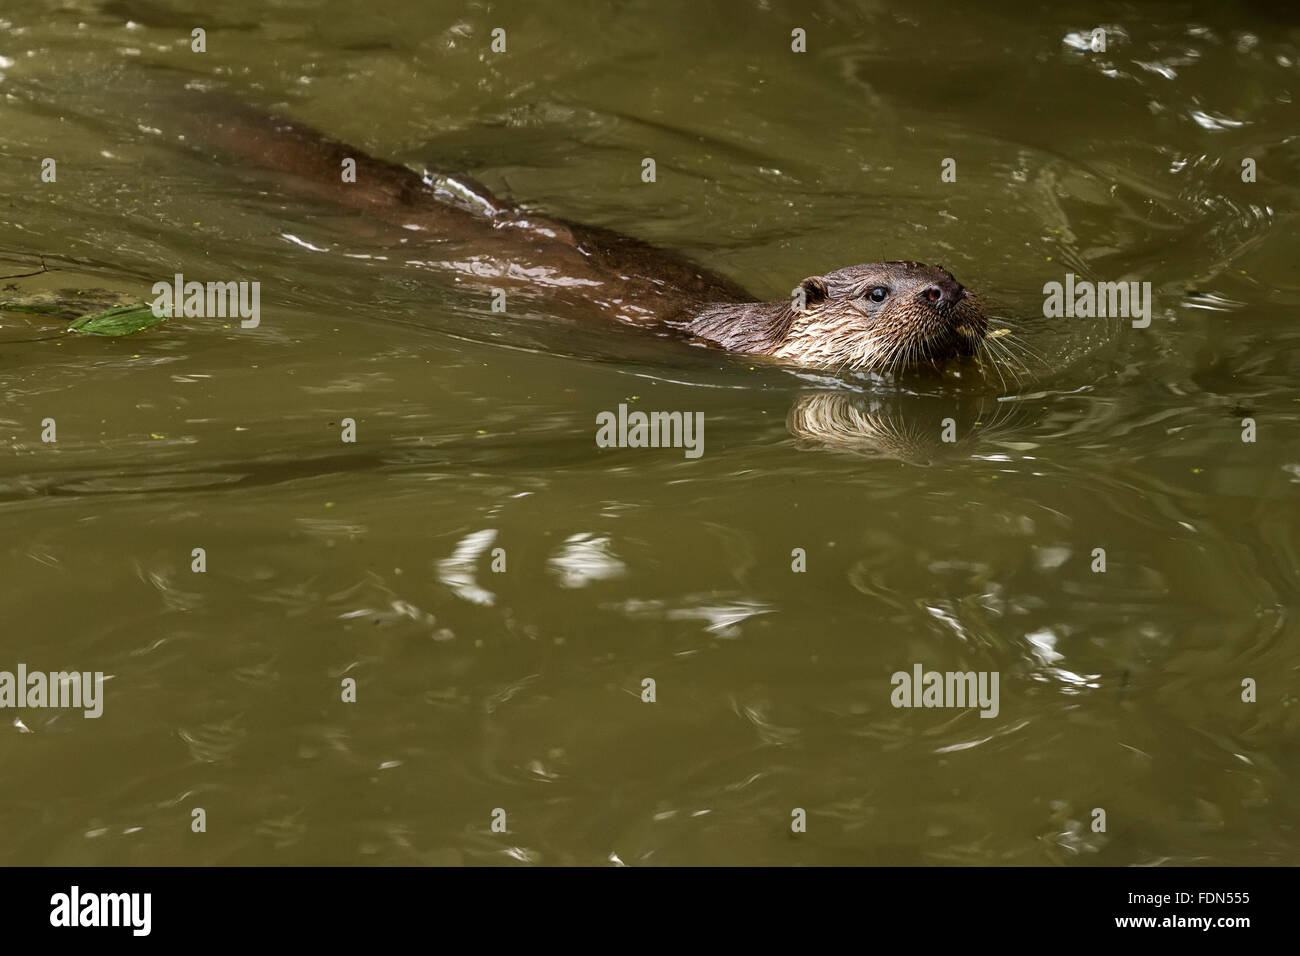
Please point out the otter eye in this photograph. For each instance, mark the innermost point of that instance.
(878, 294)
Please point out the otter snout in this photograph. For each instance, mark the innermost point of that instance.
(947, 292)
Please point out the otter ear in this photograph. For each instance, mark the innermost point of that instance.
(815, 289)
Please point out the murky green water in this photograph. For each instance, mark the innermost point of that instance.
(522, 690)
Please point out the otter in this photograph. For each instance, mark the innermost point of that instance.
(880, 317)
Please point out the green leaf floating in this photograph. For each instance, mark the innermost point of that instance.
(119, 320)
(93, 311)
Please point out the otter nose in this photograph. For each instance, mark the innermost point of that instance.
(948, 291)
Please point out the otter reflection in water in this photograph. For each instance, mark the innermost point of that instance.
(920, 430)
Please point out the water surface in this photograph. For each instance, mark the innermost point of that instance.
(521, 690)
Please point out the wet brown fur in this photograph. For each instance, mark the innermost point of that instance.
(590, 269)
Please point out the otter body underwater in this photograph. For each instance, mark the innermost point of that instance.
(878, 317)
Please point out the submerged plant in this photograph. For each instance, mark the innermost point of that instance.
(92, 311)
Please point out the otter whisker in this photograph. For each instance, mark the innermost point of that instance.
(997, 368)
(989, 349)
(1001, 359)
(1014, 341)
(1002, 349)
(1013, 338)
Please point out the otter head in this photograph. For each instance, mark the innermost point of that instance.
(880, 317)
